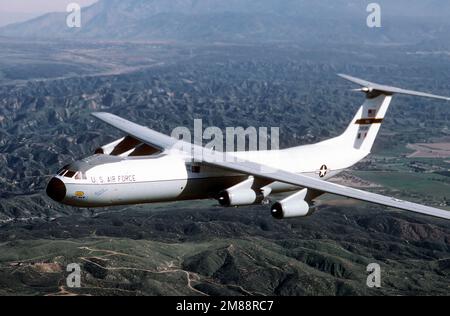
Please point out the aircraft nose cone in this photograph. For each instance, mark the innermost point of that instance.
(56, 189)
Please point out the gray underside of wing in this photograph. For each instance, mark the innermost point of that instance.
(229, 162)
(389, 89)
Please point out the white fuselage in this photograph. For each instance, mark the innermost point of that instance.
(173, 177)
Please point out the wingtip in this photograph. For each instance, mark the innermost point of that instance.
(356, 80)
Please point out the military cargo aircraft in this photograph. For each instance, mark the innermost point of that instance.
(146, 166)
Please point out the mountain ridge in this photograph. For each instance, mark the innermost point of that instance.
(242, 20)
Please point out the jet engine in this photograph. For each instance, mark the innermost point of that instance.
(296, 205)
(243, 193)
(240, 197)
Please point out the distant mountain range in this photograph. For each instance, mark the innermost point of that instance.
(246, 20)
(7, 18)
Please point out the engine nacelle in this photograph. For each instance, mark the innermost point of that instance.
(240, 197)
(296, 205)
(282, 210)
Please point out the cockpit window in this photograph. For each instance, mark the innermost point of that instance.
(77, 175)
(80, 175)
(71, 171)
(70, 174)
(62, 172)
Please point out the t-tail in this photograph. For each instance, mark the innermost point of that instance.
(363, 129)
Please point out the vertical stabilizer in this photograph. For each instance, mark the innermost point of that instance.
(364, 127)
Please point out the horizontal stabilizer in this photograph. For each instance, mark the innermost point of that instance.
(371, 87)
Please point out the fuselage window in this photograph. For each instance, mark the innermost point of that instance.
(195, 169)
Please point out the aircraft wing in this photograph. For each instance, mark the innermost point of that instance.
(229, 162)
(142, 133)
(300, 180)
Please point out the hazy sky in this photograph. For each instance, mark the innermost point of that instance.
(38, 6)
